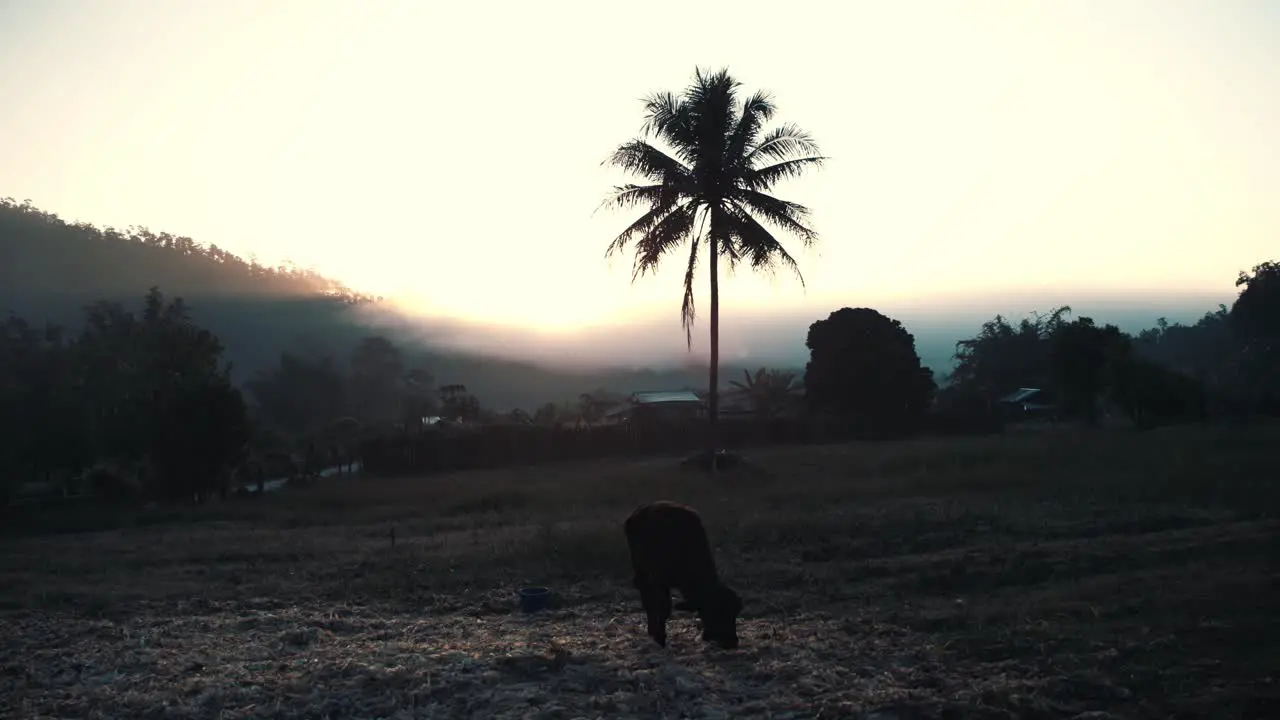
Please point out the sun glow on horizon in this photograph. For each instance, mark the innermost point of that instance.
(1095, 147)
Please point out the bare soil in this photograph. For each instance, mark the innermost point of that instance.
(1045, 575)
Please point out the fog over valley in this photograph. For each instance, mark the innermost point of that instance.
(754, 338)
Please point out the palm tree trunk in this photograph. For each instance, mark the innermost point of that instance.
(713, 395)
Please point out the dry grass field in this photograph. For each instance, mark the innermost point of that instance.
(1087, 574)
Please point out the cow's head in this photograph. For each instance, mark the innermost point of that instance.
(719, 609)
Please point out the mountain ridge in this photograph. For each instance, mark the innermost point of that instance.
(51, 269)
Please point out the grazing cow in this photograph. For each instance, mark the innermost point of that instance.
(669, 549)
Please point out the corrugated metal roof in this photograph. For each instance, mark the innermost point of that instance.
(615, 411)
(664, 396)
(1020, 395)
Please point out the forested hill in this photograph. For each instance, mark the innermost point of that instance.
(50, 269)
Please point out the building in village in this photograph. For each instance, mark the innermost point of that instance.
(1027, 404)
(664, 406)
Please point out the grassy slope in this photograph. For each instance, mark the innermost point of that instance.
(1024, 576)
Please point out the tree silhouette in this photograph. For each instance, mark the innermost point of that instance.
(1204, 350)
(206, 427)
(1255, 318)
(457, 404)
(144, 396)
(343, 436)
(300, 396)
(769, 390)
(710, 188)
(1004, 357)
(863, 368)
(42, 414)
(1151, 394)
(378, 379)
(1085, 359)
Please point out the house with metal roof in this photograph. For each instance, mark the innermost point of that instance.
(663, 397)
(660, 405)
(1027, 403)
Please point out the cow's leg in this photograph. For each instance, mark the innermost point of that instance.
(664, 606)
(650, 606)
(657, 607)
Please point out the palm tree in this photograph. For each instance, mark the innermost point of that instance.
(711, 187)
(769, 390)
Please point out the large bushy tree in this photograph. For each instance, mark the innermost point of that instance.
(863, 368)
(1151, 394)
(1255, 318)
(1003, 357)
(1084, 358)
(205, 434)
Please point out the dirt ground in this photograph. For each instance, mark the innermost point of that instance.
(1046, 575)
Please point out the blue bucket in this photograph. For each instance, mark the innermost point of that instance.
(533, 599)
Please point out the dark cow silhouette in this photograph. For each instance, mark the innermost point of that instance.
(669, 549)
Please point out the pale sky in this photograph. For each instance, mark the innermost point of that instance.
(450, 152)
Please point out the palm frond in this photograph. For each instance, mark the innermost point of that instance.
(663, 195)
(729, 251)
(668, 117)
(686, 306)
(664, 236)
(782, 143)
(748, 386)
(642, 226)
(756, 111)
(783, 214)
(766, 177)
(725, 242)
(642, 158)
(712, 102)
(629, 196)
(759, 246)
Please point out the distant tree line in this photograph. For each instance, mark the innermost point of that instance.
(865, 380)
(1224, 365)
(144, 395)
(141, 401)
